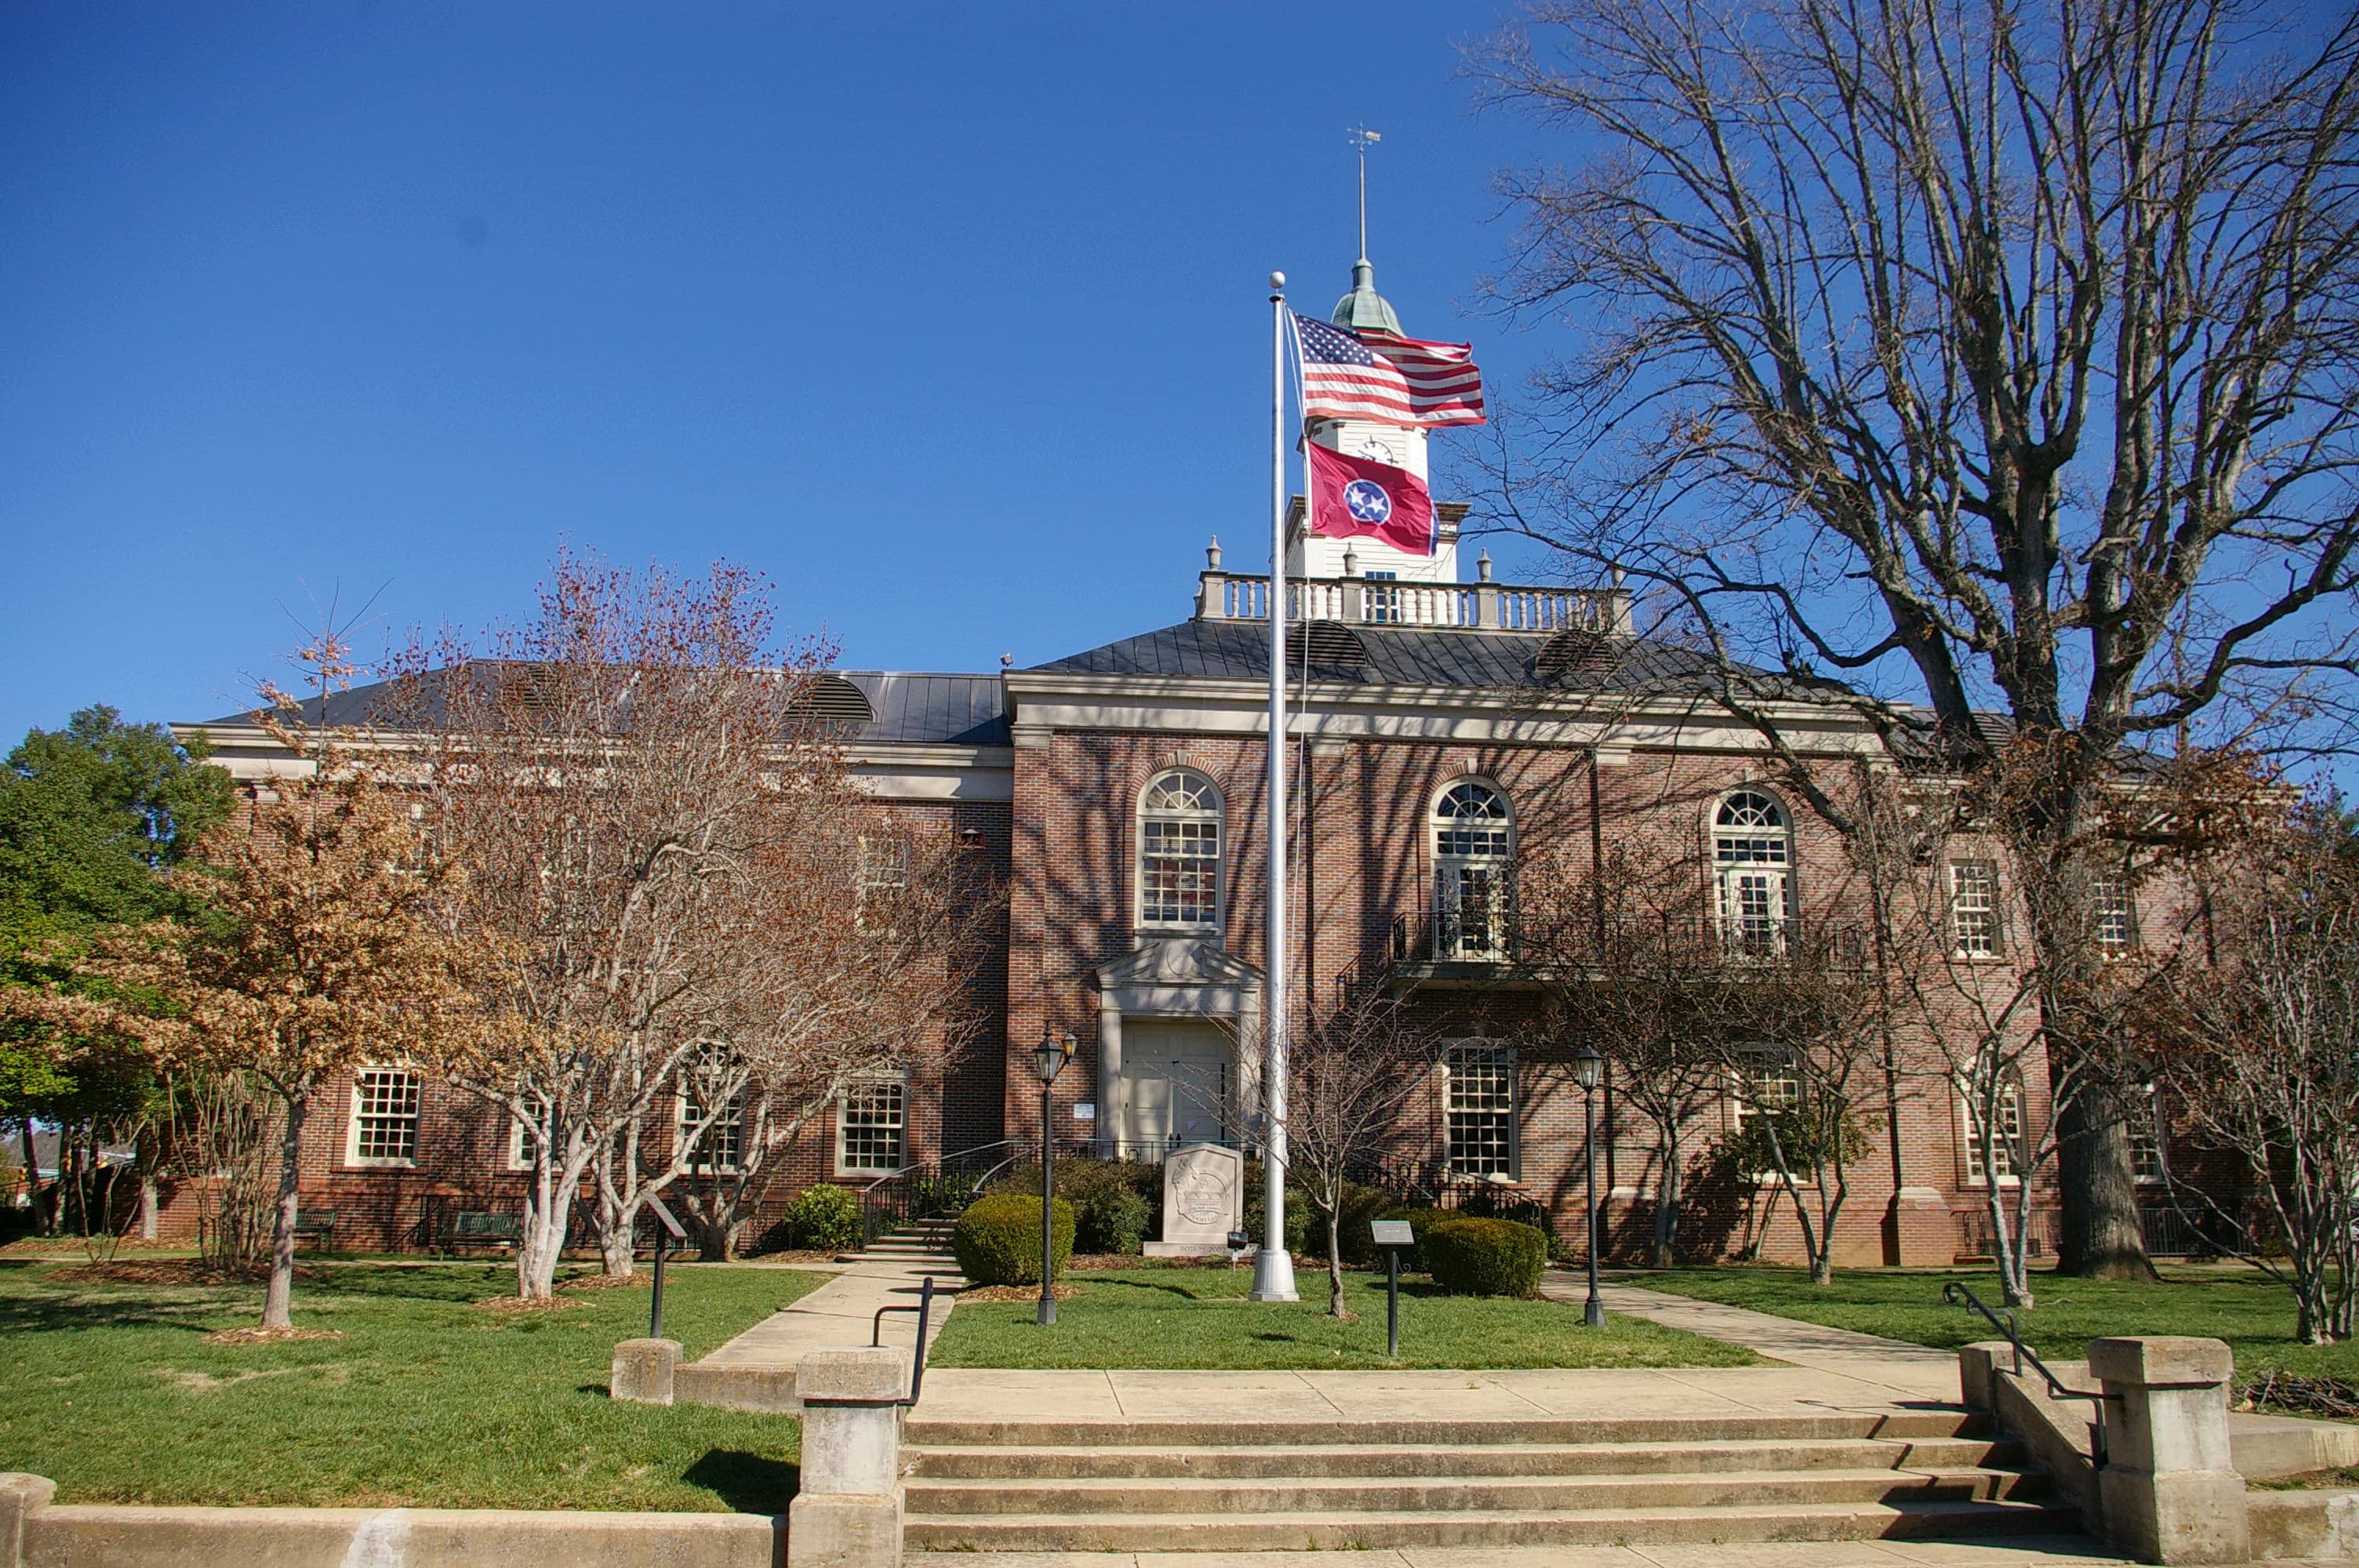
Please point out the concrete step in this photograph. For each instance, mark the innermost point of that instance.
(1355, 1495)
(1933, 1422)
(1559, 1527)
(1048, 1463)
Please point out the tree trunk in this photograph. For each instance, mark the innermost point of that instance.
(2098, 1236)
(277, 1302)
(1335, 1262)
(1667, 1206)
(147, 1205)
(33, 1200)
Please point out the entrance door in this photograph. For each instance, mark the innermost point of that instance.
(1175, 1086)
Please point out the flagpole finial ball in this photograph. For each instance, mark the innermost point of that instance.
(1277, 280)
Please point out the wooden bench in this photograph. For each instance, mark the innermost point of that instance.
(317, 1225)
(468, 1227)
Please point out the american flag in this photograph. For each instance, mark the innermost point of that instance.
(1384, 377)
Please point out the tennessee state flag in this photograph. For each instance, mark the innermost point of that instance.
(1353, 498)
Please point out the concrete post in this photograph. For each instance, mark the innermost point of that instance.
(644, 1371)
(21, 1497)
(848, 1512)
(2170, 1490)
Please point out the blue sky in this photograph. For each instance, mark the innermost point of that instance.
(950, 319)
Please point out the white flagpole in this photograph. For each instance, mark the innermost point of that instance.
(1273, 1264)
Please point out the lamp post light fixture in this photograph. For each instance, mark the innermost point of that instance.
(1049, 1057)
(1590, 1067)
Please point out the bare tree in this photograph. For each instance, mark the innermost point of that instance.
(1355, 1071)
(2254, 1022)
(622, 780)
(1987, 356)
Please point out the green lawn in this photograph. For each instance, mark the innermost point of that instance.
(1193, 1318)
(111, 1391)
(2242, 1306)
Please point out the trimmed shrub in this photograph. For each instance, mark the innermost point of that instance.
(1298, 1213)
(823, 1219)
(1113, 1220)
(1420, 1221)
(1470, 1257)
(997, 1240)
(1360, 1206)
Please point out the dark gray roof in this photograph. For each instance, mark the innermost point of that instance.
(1239, 650)
(911, 710)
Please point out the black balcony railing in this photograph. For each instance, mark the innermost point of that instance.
(1506, 938)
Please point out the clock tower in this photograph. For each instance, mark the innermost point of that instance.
(1402, 446)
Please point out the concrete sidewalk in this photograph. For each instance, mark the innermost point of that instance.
(2016, 1551)
(1914, 1371)
(841, 1312)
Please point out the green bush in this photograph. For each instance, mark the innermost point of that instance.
(824, 1219)
(1420, 1221)
(997, 1240)
(1360, 1206)
(1299, 1229)
(1113, 1220)
(1470, 1257)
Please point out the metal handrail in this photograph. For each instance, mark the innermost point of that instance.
(924, 1309)
(1956, 1293)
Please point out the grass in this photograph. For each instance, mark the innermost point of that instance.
(112, 1391)
(2243, 1306)
(1193, 1318)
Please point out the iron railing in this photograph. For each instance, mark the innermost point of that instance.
(925, 1311)
(1501, 936)
(1956, 1293)
(933, 1188)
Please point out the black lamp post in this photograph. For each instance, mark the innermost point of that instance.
(1591, 1068)
(1049, 1056)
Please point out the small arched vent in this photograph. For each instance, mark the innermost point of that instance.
(1332, 650)
(833, 700)
(1575, 654)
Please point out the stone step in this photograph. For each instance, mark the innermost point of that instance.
(1048, 1463)
(2046, 1551)
(1563, 1527)
(1355, 1495)
(1933, 1421)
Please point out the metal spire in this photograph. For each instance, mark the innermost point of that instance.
(1363, 139)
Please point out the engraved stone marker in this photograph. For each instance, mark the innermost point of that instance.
(1204, 1200)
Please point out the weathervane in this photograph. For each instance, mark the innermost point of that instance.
(1363, 139)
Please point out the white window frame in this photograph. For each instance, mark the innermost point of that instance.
(1985, 906)
(733, 1119)
(1453, 869)
(2149, 1121)
(1493, 1055)
(1745, 852)
(2010, 1108)
(843, 1167)
(1745, 1099)
(519, 1144)
(2114, 907)
(1216, 816)
(363, 1111)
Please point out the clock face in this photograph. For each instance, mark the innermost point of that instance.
(1375, 451)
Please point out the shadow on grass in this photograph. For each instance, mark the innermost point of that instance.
(67, 1313)
(748, 1483)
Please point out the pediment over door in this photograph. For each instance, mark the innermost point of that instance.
(1179, 977)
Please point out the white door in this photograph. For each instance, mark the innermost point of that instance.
(1175, 1086)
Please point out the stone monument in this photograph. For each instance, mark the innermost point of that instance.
(1204, 1200)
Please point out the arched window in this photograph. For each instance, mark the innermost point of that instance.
(1179, 853)
(1753, 857)
(1473, 873)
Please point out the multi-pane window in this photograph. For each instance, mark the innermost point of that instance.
(2006, 1132)
(1974, 908)
(2111, 915)
(1180, 852)
(2145, 1137)
(721, 1144)
(385, 1118)
(1474, 872)
(1481, 1111)
(871, 1127)
(1752, 856)
(1384, 603)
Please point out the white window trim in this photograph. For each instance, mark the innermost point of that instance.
(836, 1153)
(353, 1158)
(519, 1145)
(1503, 1053)
(2161, 1136)
(1218, 925)
(1996, 912)
(1726, 916)
(1501, 868)
(1741, 1105)
(680, 1130)
(1970, 1150)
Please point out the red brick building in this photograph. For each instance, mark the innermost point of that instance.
(1446, 733)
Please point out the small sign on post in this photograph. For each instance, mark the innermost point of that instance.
(1391, 1235)
(666, 1226)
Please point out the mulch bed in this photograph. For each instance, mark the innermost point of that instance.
(164, 1272)
(608, 1283)
(258, 1335)
(2331, 1397)
(1014, 1292)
